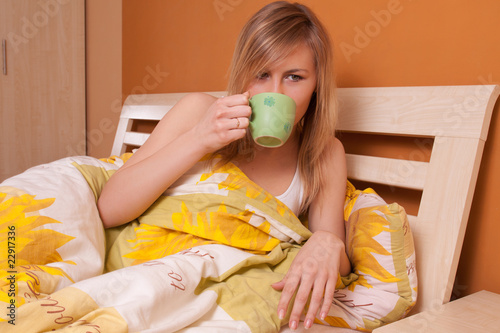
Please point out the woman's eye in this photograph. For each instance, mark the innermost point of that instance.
(262, 76)
(294, 77)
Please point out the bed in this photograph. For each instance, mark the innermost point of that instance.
(61, 270)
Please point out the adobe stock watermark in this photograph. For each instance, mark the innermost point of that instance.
(372, 29)
(30, 26)
(222, 7)
(94, 137)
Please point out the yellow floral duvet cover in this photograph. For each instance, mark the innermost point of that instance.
(203, 256)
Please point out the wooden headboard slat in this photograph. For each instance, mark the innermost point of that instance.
(417, 111)
(388, 171)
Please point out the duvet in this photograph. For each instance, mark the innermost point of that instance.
(201, 258)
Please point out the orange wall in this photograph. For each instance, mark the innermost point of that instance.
(178, 45)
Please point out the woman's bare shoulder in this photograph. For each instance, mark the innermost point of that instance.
(335, 159)
(334, 149)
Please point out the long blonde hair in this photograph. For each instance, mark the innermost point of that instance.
(270, 35)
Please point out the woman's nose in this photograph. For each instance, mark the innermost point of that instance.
(277, 86)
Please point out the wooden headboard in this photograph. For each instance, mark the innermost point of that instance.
(457, 118)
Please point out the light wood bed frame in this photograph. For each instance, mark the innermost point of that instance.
(456, 117)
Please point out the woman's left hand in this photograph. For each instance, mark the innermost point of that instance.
(314, 272)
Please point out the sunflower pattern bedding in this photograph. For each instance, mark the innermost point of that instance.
(203, 256)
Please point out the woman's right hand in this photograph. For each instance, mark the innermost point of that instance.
(225, 121)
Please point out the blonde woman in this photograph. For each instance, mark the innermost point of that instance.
(283, 48)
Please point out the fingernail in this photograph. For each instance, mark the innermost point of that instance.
(281, 314)
(308, 324)
(323, 315)
(293, 325)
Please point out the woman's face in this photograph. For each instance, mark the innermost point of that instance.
(294, 76)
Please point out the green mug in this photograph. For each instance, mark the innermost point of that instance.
(272, 119)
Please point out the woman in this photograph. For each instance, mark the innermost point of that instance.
(283, 48)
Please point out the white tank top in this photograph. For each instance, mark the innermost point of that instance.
(292, 197)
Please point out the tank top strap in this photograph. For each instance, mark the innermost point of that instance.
(293, 195)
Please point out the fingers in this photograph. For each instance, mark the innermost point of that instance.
(279, 285)
(328, 298)
(236, 109)
(239, 123)
(225, 121)
(300, 302)
(317, 289)
(312, 278)
(288, 285)
(312, 284)
(235, 100)
(315, 302)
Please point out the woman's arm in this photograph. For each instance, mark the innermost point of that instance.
(314, 272)
(327, 210)
(197, 125)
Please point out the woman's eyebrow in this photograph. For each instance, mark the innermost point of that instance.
(295, 70)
